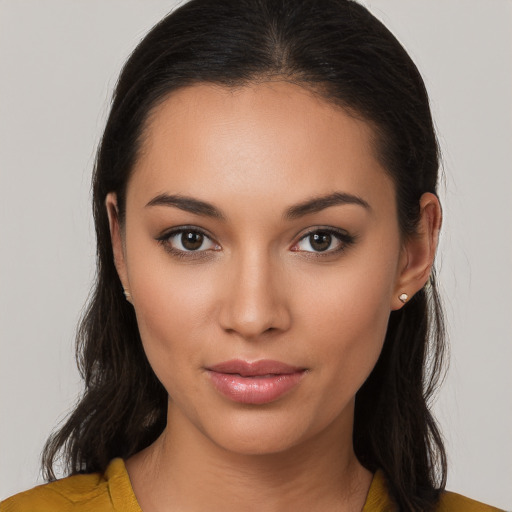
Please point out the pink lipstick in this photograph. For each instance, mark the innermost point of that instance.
(259, 382)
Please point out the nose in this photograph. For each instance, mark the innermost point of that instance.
(254, 297)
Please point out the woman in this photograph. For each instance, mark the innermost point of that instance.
(267, 219)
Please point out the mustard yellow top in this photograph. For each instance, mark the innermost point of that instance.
(113, 492)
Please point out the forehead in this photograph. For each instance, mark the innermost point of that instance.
(260, 139)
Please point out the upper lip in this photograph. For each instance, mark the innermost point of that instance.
(255, 368)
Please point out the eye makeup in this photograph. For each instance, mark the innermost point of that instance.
(324, 240)
(194, 243)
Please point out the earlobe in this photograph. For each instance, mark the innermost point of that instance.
(117, 241)
(418, 252)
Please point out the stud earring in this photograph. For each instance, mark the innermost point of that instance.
(404, 298)
(127, 295)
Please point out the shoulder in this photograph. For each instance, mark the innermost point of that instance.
(61, 495)
(453, 502)
(379, 499)
(90, 492)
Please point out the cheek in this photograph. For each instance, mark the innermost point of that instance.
(171, 303)
(171, 308)
(348, 316)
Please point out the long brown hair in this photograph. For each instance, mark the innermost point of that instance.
(337, 48)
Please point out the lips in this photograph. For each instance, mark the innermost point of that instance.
(257, 382)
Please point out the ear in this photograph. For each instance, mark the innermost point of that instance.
(117, 241)
(418, 252)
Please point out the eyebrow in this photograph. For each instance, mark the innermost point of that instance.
(317, 204)
(313, 205)
(188, 204)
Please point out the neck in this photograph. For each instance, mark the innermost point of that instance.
(184, 470)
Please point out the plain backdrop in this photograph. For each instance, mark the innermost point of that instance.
(59, 61)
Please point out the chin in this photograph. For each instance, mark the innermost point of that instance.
(257, 444)
(263, 432)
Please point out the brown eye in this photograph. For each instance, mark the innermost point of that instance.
(191, 240)
(328, 241)
(187, 240)
(320, 241)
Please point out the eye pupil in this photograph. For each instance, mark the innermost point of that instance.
(320, 241)
(191, 240)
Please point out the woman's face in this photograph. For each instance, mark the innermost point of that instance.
(262, 252)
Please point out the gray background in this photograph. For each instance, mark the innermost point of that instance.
(59, 60)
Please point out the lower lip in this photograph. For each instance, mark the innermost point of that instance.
(254, 390)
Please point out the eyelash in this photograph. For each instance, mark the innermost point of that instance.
(344, 239)
(164, 240)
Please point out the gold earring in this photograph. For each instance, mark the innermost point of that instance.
(404, 298)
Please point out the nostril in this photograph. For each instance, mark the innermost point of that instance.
(252, 308)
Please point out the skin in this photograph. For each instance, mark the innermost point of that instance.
(257, 289)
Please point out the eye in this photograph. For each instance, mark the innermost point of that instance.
(187, 240)
(324, 241)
